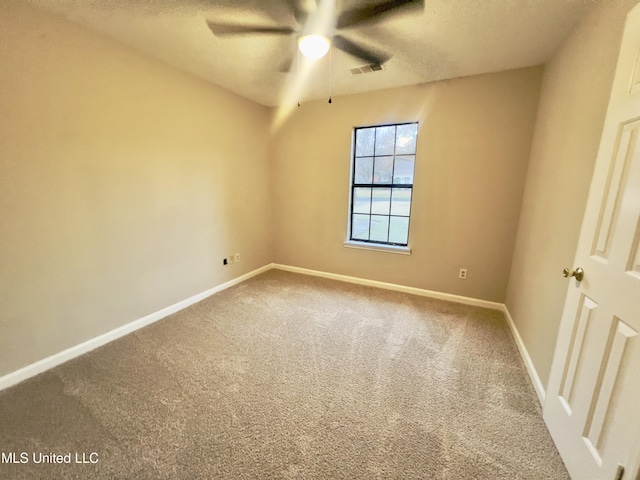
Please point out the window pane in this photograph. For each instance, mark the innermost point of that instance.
(361, 200)
(401, 201)
(383, 170)
(379, 228)
(383, 166)
(364, 142)
(381, 201)
(403, 170)
(385, 140)
(360, 227)
(406, 139)
(364, 170)
(399, 230)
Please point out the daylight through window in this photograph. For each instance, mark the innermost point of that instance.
(382, 183)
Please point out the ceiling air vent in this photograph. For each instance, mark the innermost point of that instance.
(373, 67)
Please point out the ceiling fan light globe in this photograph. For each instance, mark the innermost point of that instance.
(314, 46)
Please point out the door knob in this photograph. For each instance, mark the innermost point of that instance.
(578, 273)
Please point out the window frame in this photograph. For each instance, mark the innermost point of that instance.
(387, 246)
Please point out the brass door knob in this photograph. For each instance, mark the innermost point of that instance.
(578, 273)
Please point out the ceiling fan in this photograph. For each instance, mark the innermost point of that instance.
(318, 23)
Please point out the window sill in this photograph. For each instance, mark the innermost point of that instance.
(379, 248)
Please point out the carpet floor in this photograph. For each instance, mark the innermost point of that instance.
(292, 377)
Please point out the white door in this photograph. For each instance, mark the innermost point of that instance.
(592, 406)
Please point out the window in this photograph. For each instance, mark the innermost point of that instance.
(382, 183)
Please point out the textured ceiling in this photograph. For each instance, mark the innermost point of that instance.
(450, 38)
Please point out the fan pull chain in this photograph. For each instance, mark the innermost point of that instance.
(330, 72)
(298, 73)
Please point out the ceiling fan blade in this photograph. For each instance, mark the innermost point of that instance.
(285, 65)
(299, 13)
(358, 51)
(222, 29)
(376, 12)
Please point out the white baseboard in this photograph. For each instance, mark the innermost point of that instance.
(476, 302)
(56, 359)
(528, 363)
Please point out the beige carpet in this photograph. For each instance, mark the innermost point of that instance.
(289, 376)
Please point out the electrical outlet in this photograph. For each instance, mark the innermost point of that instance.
(463, 273)
(237, 259)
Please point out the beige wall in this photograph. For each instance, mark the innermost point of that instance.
(123, 184)
(573, 103)
(474, 141)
